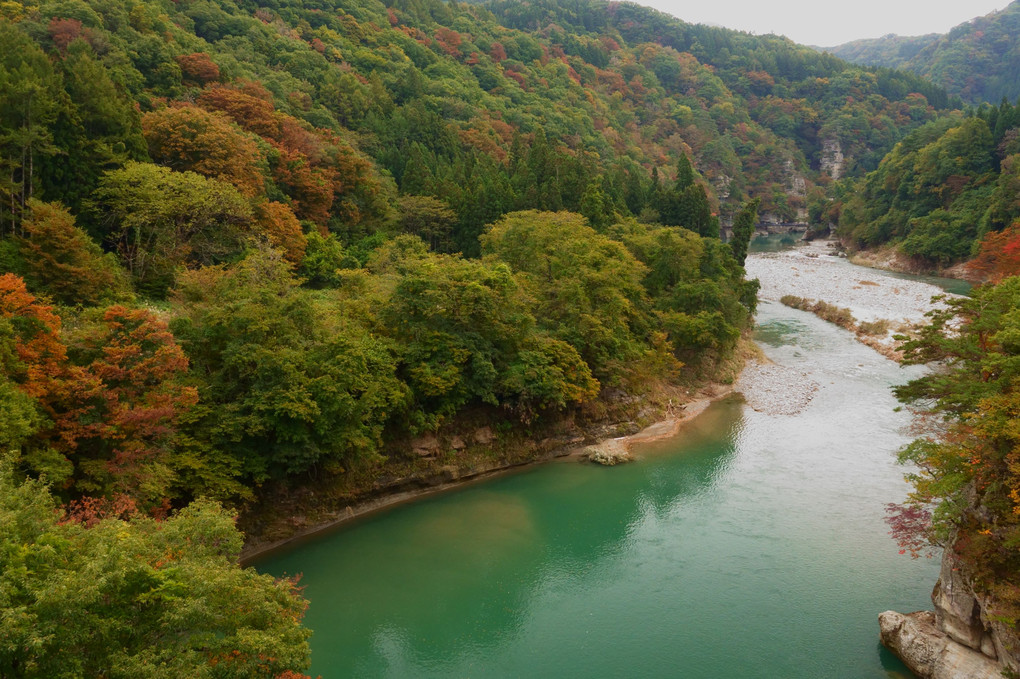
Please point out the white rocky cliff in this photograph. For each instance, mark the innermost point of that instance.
(832, 158)
(960, 639)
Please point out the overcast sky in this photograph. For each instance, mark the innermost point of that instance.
(830, 22)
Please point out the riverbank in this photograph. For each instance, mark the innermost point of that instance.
(889, 258)
(739, 522)
(471, 452)
(475, 449)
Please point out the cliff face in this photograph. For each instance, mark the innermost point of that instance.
(960, 638)
(832, 160)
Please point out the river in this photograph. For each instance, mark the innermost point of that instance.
(752, 545)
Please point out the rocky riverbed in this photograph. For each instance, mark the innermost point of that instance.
(961, 637)
(815, 272)
(775, 389)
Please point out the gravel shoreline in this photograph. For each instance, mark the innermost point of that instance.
(814, 272)
(775, 389)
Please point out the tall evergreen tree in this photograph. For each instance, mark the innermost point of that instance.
(743, 228)
(684, 173)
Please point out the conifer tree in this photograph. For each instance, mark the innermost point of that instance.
(743, 228)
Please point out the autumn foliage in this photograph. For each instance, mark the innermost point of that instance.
(320, 172)
(209, 143)
(968, 469)
(999, 256)
(40, 355)
(64, 31)
(282, 229)
(198, 67)
(117, 420)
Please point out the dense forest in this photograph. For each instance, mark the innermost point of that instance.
(945, 194)
(978, 61)
(220, 223)
(250, 246)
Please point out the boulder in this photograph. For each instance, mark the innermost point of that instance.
(483, 436)
(914, 639)
(426, 446)
(929, 652)
(608, 453)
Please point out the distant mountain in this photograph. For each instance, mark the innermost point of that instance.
(979, 60)
(891, 51)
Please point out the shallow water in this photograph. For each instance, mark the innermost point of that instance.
(750, 546)
(775, 242)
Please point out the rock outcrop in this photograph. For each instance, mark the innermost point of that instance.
(832, 160)
(609, 453)
(929, 652)
(960, 639)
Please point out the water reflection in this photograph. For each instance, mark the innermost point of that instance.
(775, 242)
(455, 577)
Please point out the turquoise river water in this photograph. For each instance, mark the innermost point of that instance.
(750, 546)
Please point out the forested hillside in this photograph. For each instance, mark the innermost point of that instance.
(252, 203)
(891, 51)
(946, 193)
(978, 61)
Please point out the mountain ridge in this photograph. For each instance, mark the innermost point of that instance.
(977, 60)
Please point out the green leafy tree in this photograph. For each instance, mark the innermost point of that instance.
(699, 296)
(324, 259)
(596, 206)
(684, 173)
(588, 287)
(29, 104)
(429, 219)
(290, 382)
(161, 221)
(467, 336)
(138, 597)
(96, 131)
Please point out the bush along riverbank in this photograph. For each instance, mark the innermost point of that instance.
(874, 334)
(966, 495)
(478, 444)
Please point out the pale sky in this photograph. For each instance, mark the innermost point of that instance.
(829, 22)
